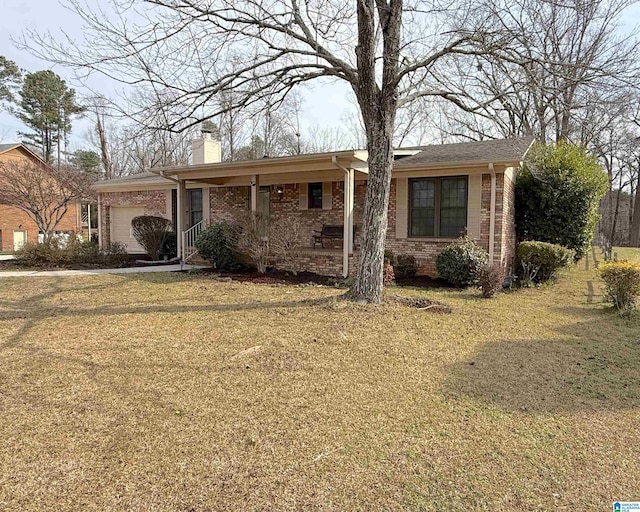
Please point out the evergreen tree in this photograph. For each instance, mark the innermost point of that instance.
(9, 78)
(87, 161)
(46, 106)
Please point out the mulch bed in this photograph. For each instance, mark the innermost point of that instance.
(273, 277)
(134, 261)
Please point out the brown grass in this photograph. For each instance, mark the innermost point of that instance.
(134, 393)
(627, 253)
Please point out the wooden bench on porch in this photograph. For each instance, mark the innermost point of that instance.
(329, 232)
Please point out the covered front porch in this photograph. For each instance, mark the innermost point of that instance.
(317, 190)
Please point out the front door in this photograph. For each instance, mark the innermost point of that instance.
(19, 239)
(264, 208)
(194, 205)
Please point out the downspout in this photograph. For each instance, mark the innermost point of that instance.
(346, 206)
(492, 213)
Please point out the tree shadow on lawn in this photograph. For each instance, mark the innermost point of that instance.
(592, 364)
(37, 308)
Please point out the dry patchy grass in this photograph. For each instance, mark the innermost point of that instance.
(628, 253)
(134, 393)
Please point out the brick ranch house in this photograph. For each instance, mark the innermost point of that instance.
(16, 226)
(437, 193)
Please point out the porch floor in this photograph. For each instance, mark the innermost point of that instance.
(320, 251)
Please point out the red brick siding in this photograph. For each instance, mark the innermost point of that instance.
(12, 219)
(227, 203)
(505, 231)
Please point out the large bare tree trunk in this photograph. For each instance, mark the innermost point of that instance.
(611, 237)
(104, 152)
(368, 283)
(378, 106)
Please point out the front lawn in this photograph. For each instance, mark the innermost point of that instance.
(627, 253)
(178, 392)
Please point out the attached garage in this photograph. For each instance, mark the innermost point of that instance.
(121, 217)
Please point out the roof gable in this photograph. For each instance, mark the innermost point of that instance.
(18, 146)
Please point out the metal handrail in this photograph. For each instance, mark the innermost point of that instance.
(189, 238)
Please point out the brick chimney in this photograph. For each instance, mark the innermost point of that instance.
(205, 149)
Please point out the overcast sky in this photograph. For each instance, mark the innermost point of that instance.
(324, 105)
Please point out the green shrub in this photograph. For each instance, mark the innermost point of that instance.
(115, 254)
(44, 254)
(459, 262)
(217, 243)
(557, 195)
(490, 279)
(405, 266)
(540, 261)
(74, 252)
(169, 246)
(622, 279)
(150, 232)
(80, 251)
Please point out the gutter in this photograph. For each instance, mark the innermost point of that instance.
(161, 173)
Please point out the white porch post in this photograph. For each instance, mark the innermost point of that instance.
(347, 234)
(352, 190)
(88, 219)
(206, 205)
(99, 221)
(181, 201)
(255, 184)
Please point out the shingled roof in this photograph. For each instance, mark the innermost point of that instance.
(142, 178)
(501, 150)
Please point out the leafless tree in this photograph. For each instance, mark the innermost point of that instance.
(564, 59)
(616, 145)
(41, 191)
(390, 52)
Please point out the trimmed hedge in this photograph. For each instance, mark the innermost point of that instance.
(622, 279)
(459, 262)
(541, 261)
(74, 252)
(150, 231)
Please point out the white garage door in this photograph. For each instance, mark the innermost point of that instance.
(121, 227)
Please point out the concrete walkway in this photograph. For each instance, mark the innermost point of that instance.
(5, 257)
(98, 271)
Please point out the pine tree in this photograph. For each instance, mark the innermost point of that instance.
(46, 106)
(9, 78)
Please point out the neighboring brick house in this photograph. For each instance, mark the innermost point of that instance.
(16, 226)
(437, 193)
